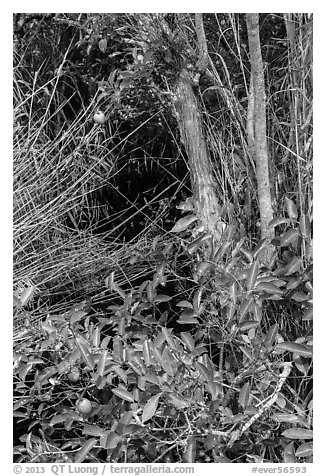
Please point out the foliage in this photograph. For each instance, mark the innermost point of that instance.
(180, 393)
(188, 350)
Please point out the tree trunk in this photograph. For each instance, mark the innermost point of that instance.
(260, 149)
(192, 135)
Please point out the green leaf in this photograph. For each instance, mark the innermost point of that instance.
(112, 441)
(183, 223)
(299, 296)
(162, 298)
(260, 246)
(252, 275)
(85, 449)
(246, 325)
(168, 337)
(88, 358)
(298, 434)
(303, 350)
(289, 456)
(205, 374)
(93, 430)
(146, 353)
(269, 288)
(150, 408)
(245, 308)
(271, 335)
(183, 304)
(188, 320)
(294, 265)
(63, 417)
(221, 251)
(286, 417)
(178, 403)
(289, 237)
(304, 450)
(169, 364)
(244, 393)
(123, 394)
(101, 362)
(279, 221)
(188, 340)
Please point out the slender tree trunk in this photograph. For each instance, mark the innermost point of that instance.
(259, 145)
(192, 135)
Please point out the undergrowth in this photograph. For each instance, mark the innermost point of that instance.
(157, 345)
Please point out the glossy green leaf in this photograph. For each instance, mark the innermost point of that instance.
(94, 430)
(268, 287)
(246, 325)
(252, 275)
(303, 350)
(244, 393)
(162, 298)
(123, 394)
(184, 304)
(279, 221)
(221, 251)
(298, 434)
(205, 374)
(304, 450)
(168, 337)
(150, 408)
(183, 223)
(188, 340)
(88, 358)
(169, 364)
(260, 246)
(294, 266)
(289, 237)
(112, 441)
(300, 297)
(271, 335)
(63, 417)
(85, 449)
(178, 403)
(102, 362)
(288, 455)
(285, 417)
(245, 308)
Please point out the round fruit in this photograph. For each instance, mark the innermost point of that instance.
(99, 118)
(74, 374)
(84, 406)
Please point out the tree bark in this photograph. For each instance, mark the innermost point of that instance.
(260, 148)
(192, 135)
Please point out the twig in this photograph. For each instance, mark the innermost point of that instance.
(236, 434)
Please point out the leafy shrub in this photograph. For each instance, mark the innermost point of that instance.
(207, 386)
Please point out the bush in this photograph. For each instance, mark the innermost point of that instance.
(207, 385)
